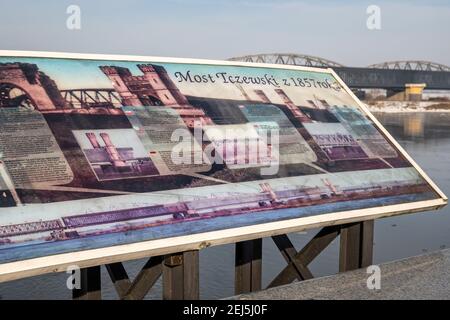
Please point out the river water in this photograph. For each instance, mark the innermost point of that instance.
(426, 137)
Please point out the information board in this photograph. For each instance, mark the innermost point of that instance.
(109, 158)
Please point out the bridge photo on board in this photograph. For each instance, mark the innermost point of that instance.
(109, 158)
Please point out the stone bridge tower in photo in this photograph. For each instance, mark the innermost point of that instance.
(129, 87)
(164, 87)
(22, 84)
(153, 87)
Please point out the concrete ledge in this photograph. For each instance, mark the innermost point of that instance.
(421, 277)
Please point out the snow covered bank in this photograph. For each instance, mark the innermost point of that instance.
(408, 106)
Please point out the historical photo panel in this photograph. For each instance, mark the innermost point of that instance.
(96, 153)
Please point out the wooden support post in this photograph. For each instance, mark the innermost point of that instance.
(356, 245)
(248, 266)
(191, 275)
(181, 276)
(173, 277)
(90, 281)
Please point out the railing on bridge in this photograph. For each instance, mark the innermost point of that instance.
(416, 65)
(288, 58)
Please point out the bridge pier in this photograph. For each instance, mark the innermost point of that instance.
(412, 92)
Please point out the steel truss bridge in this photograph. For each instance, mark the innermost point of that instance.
(392, 75)
(94, 97)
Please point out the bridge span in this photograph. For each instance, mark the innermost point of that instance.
(387, 75)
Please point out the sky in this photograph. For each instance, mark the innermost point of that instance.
(336, 30)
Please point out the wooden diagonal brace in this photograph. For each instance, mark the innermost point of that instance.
(288, 252)
(305, 256)
(119, 277)
(145, 279)
(143, 282)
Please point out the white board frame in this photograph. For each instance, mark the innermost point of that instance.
(92, 257)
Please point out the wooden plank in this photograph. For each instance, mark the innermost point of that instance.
(119, 277)
(248, 266)
(90, 285)
(356, 246)
(306, 255)
(145, 279)
(181, 276)
(288, 252)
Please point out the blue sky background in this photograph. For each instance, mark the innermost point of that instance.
(225, 28)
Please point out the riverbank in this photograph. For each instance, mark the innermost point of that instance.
(408, 106)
